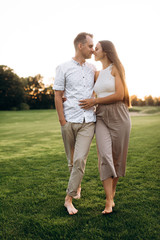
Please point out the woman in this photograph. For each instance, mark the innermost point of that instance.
(113, 121)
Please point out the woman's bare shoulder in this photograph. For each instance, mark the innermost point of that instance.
(114, 71)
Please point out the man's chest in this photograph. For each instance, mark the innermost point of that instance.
(78, 78)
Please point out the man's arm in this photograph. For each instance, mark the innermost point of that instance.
(59, 106)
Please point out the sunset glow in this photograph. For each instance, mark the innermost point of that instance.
(37, 35)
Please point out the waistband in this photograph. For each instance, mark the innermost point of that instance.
(112, 104)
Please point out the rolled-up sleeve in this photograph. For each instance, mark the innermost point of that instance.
(59, 81)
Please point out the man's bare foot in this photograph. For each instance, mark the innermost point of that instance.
(68, 204)
(78, 196)
(108, 207)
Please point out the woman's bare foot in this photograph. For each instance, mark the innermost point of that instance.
(68, 204)
(78, 196)
(113, 203)
(108, 207)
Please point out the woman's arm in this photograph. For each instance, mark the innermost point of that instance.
(117, 96)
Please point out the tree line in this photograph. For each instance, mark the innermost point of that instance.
(30, 93)
(24, 93)
(147, 101)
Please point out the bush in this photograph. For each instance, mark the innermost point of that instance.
(14, 109)
(24, 106)
(133, 109)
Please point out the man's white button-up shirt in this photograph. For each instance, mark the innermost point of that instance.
(77, 82)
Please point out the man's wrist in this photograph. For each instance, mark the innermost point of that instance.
(62, 122)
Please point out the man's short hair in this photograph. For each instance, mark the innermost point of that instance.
(81, 38)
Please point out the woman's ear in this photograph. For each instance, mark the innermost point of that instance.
(104, 54)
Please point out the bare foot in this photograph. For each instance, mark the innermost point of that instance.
(108, 207)
(106, 212)
(113, 204)
(70, 208)
(78, 196)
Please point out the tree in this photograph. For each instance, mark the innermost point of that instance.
(33, 86)
(157, 101)
(47, 98)
(149, 100)
(37, 95)
(134, 100)
(11, 89)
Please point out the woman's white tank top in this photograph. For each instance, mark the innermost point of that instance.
(105, 84)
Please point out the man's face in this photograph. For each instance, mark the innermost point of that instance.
(87, 48)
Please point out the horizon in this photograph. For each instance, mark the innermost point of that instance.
(49, 82)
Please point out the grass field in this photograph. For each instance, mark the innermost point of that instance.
(34, 177)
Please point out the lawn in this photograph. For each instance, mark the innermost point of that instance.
(34, 175)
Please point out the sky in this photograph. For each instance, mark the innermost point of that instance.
(37, 35)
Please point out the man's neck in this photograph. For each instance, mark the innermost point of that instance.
(79, 59)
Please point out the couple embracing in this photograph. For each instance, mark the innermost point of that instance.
(78, 81)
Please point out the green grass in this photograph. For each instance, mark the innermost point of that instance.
(145, 109)
(34, 178)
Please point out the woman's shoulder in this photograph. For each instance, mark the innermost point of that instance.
(114, 70)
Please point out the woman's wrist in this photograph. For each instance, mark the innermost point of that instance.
(95, 101)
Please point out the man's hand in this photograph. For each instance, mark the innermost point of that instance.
(64, 99)
(63, 122)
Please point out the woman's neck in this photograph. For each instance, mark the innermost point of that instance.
(105, 63)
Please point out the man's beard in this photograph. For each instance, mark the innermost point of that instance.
(88, 56)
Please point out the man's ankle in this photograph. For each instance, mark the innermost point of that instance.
(68, 198)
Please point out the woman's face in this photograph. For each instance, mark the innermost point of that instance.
(98, 53)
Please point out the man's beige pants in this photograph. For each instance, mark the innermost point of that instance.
(77, 138)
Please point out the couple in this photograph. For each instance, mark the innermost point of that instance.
(77, 81)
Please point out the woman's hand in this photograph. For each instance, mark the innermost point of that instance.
(87, 103)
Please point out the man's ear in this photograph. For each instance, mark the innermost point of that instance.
(80, 45)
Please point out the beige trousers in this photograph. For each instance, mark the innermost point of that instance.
(77, 138)
(112, 136)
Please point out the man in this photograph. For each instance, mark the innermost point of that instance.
(75, 80)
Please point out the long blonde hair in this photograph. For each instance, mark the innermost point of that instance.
(109, 48)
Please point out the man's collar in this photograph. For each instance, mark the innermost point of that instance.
(78, 62)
